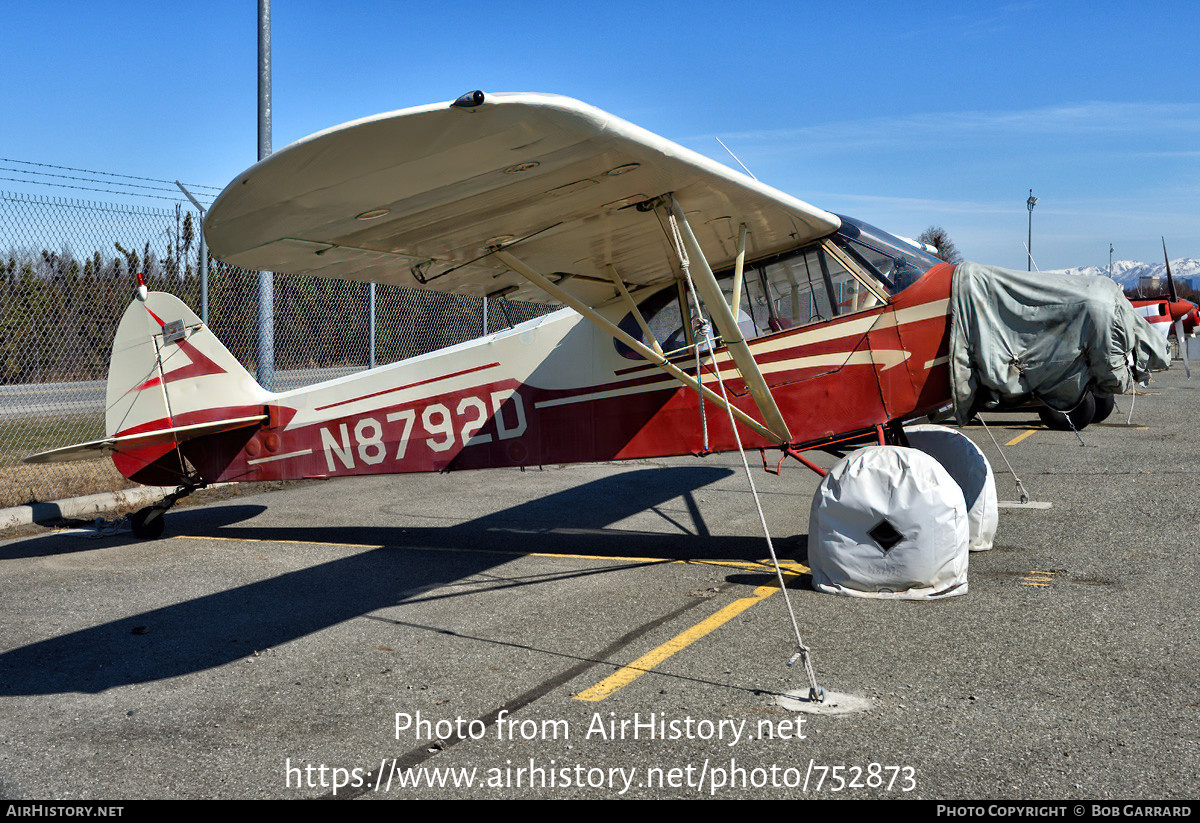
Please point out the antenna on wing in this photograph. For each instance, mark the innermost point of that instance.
(734, 156)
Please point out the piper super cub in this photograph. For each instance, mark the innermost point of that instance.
(694, 296)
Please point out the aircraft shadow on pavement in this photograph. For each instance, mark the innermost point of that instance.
(73, 542)
(225, 626)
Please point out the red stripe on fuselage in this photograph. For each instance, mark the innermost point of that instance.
(406, 386)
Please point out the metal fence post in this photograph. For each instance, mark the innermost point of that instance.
(371, 311)
(203, 273)
(266, 280)
(203, 256)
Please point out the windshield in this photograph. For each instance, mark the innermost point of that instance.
(896, 262)
(811, 284)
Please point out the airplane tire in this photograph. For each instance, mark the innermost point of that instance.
(965, 462)
(1105, 403)
(889, 522)
(1078, 417)
(147, 523)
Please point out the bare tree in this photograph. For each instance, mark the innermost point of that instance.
(937, 237)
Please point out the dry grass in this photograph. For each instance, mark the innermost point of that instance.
(21, 484)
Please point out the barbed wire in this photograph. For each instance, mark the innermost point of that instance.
(88, 180)
(107, 174)
(88, 205)
(179, 199)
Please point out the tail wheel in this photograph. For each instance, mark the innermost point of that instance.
(1077, 418)
(147, 523)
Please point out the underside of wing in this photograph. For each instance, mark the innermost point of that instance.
(422, 197)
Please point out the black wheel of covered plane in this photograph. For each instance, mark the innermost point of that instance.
(1105, 403)
(147, 523)
(1077, 418)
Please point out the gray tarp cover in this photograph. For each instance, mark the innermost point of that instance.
(1047, 335)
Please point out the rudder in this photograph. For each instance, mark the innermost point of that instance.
(169, 370)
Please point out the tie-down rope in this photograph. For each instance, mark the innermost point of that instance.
(815, 693)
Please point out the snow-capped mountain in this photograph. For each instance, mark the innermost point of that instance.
(1128, 272)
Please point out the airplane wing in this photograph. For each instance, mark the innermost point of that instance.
(422, 197)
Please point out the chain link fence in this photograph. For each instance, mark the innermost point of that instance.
(68, 273)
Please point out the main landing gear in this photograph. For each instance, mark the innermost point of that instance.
(897, 521)
(1093, 408)
(148, 524)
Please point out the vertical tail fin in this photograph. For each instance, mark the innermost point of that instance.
(167, 371)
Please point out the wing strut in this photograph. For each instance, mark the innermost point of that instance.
(637, 313)
(739, 269)
(567, 299)
(731, 335)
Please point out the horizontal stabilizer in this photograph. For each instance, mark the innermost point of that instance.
(158, 437)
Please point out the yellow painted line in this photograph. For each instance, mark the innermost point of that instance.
(627, 674)
(1020, 437)
(764, 566)
(787, 566)
(1036, 577)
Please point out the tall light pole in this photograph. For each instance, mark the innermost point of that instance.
(1030, 203)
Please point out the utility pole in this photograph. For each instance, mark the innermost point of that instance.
(1030, 203)
(266, 280)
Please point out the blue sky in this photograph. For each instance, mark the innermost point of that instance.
(902, 114)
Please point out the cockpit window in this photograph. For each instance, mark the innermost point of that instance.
(804, 287)
(897, 263)
(809, 285)
(662, 314)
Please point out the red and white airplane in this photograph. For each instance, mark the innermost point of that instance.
(826, 329)
(1171, 313)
